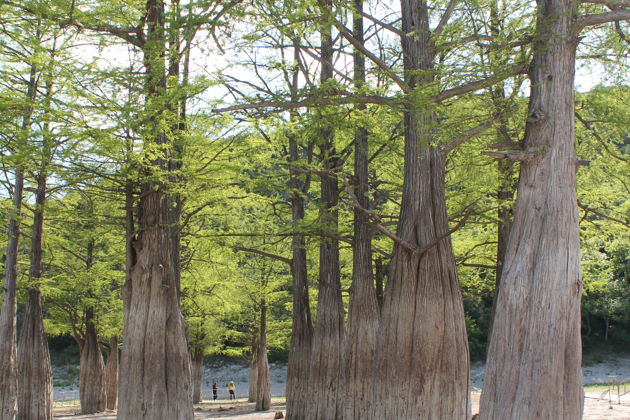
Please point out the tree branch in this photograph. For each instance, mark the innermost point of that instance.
(520, 68)
(445, 18)
(316, 101)
(615, 4)
(600, 18)
(360, 47)
(466, 136)
(600, 214)
(520, 155)
(265, 254)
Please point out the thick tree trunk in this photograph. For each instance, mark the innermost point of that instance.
(424, 350)
(263, 388)
(34, 369)
(8, 344)
(111, 374)
(360, 377)
(327, 346)
(91, 375)
(155, 378)
(302, 327)
(197, 375)
(534, 360)
(253, 373)
(155, 381)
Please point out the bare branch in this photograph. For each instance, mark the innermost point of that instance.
(359, 46)
(321, 101)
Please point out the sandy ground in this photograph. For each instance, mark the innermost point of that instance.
(595, 408)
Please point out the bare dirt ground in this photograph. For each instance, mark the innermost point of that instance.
(594, 409)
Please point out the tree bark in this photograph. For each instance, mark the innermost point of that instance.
(380, 280)
(424, 357)
(326, 353)
(91, 375)
(197, 375)
(155, 382)
(263, 388)
(8, 344)
(364, 313)
(253, 373)
(534, 359)
(302, 326)
(33, 358)
(111, 374)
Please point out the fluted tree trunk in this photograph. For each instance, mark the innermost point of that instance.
(8, 342)
(263, 388)
(301, 326)
(33, 357)
(325, 393)
(364, 312)
(111, 374)
(424, 359)
(534, 359)
(91, 375)
(155, 381)
(34, 369)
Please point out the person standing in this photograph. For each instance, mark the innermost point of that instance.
(232, 390)
(215, 390)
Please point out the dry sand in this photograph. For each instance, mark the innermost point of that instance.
(594, 409)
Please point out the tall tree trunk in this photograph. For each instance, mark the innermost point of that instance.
(534, 359)
(302, 327)
(326, 353)
(364, 312)
(423, 348)
(8, 345)
(156, 380)
(111, 374)
(197, 375)
(91, 374)
(263, 388)
(506, 168)
(34, 369)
